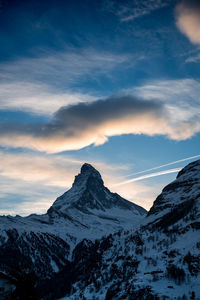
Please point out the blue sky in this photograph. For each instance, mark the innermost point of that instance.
(112, 83)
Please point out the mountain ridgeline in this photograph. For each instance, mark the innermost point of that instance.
(93, 244)
(89, 193)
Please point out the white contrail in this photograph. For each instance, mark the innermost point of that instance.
(165, 165)
(149, 176)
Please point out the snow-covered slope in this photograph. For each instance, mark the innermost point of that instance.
(157, 259)
(87, 210)
(43, 244)
(91, 209)
(160, 260)
(179, 202)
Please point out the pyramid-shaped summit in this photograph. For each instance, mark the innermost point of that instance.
(89, 209)
(88, 169)
(88, 174)
(88, 193)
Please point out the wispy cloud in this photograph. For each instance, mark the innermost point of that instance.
(42, 84)
(36, 98)
(62, 68)
(48, 169)
(139, 192)
(180, 96)
(30, 182)
(131, 10)
(188, 19)
(39, 168)
(186, 89)
(23, 198)
(193, 58)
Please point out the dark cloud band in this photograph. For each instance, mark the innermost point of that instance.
(76, 126)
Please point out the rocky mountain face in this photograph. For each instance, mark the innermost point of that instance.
(38, 248)
(92, 209)
(179, 197)
(88, 193)
(157, 259)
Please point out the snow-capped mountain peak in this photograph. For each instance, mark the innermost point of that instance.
(79, 248)
(88, 193)
(88, 169)
(88, 173)
(45, 242)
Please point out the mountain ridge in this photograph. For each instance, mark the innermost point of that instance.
(43, 244)
(90, 193)
(158, 258)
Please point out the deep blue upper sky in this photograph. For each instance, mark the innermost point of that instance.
(114, 83)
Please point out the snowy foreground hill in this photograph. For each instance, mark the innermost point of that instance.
(157, 255)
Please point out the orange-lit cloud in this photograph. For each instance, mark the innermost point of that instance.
(51, 171)
(77, 126)
(188, 19)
